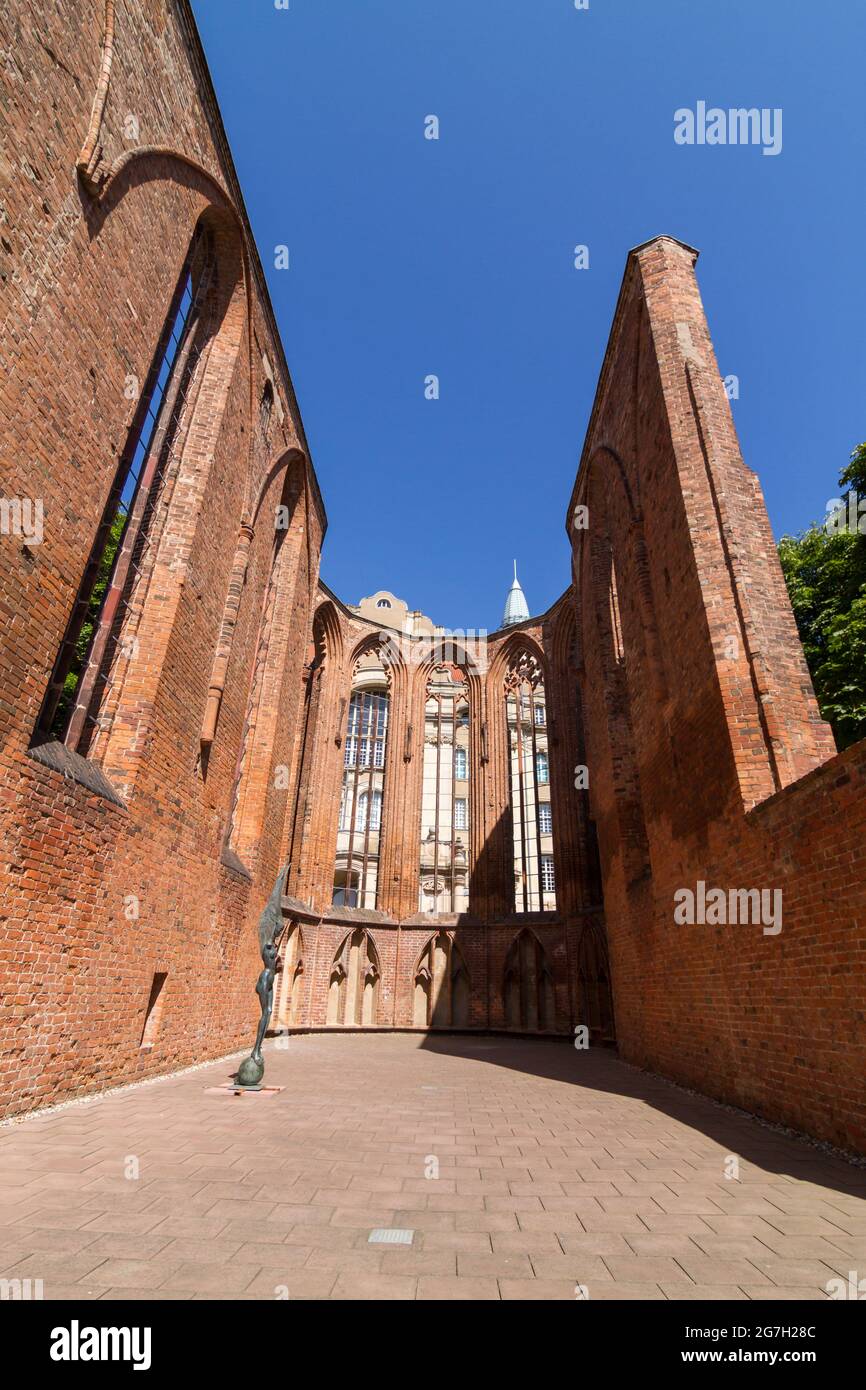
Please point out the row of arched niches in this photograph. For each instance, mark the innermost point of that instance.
(442, 989)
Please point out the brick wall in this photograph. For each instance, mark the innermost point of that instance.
(708, 758)
(116, 867)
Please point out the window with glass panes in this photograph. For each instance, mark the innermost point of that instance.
(528, 772)
(548, 883)
(357, 861)
(445, 794)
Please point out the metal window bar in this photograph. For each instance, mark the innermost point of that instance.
(536, 829)
(459, 766)
(461, 763)
(373, 716)
(445, 711)
(368, 715)
(354, 710)
(523, 689)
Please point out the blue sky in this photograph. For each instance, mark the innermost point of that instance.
(411, 257)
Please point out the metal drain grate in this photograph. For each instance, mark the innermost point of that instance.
(390, 1235)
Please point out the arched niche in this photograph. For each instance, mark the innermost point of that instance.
(288, 1004)
(528, 986)
(442, 985)
(353, 984)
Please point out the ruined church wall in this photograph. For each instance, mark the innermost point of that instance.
(99, 893)
(708, 758)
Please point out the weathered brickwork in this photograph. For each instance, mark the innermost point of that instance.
(136, 857)
(700, 719)
(99, 897)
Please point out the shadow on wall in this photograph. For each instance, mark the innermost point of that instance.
(536, 971)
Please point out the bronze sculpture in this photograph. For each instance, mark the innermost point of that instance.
(271, 928)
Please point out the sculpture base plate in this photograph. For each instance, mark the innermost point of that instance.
(231, 1088)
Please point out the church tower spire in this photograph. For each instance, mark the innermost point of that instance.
(516, 609)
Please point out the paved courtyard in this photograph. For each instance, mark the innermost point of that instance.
(522, 1168)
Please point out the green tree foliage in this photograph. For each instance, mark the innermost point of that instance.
(825, 570)
(85, 636)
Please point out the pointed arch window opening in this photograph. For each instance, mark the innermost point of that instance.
(100, 631)
(445, 794)
(266, 407)
(532, 843)
(362, 797)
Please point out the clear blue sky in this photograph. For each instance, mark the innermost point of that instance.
(411, 256)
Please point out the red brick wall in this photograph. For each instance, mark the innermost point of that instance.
(89, 272)
(700, 719)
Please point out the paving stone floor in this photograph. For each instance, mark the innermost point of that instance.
(523, 1167)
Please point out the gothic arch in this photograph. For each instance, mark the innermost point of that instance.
(509, 652)
(162, 520)
(264, 680)
(606, 648)
(527, 986)
(287, 1005)
(565, 647)
(455, 654)
(621, 473)
(441, 985)
(327, 635)
(596, 996)
(290, 459)
(610, 492)
(319, 764)
(387, 649)
(135, 169)
(353, 983)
